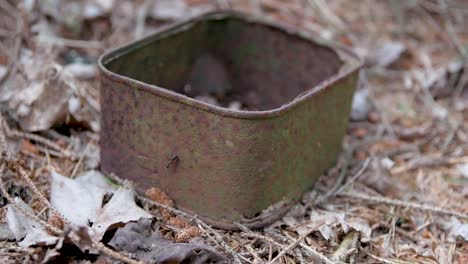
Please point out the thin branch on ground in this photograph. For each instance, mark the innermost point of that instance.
(355, 177)
(73, 43)
(10, 132)
(220, 241)
(80, 160)
(395, 202)
(314, 252)
(386, 261)
(7, 161)
(344, 169)
(250, 233)
(429, 161)
(175, 211)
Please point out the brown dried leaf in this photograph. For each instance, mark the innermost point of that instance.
(159, 196)
(27, 231)
(178, 222)
(188, 233)
(28, 147)
(148, 246)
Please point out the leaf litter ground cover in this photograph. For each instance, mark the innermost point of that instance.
(398, 193)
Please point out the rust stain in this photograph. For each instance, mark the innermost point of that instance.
(225, 165)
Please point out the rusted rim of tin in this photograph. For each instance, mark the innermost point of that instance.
(260, 221)
(242, 114)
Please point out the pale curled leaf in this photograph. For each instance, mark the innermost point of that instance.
(360, 225)
(361, 105)
(380, 54)
(80, 201)
(386, 53)
(94, 179)
(121, 209)
(331, 220)
(463, 169)
(81, 70)
(27, 231)
(457, 230)
(76, 200)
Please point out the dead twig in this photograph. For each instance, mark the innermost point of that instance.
(312, 251)
(250, 233)
(73, 236)
(341, 176)
(355, 177)
(451, 30)
(73, 43)
(400, 232)
(80, 160)
(429, 161)
(7, 161)
(220, 241)
(395, 202)
(203, 226)
(383, 260)
(254, 254)
(9, 132)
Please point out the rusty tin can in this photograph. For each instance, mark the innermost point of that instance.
(226, 165)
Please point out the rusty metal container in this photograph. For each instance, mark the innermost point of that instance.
(226, 165)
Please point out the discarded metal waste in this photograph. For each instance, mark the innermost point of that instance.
(226, 164)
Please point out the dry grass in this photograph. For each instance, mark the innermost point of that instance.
(406, 204)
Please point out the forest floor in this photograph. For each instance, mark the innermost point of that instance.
(399, 191)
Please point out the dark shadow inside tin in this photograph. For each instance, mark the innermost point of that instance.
(231, 60)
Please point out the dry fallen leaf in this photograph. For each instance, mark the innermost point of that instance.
(325, 222)
(361, 105)
(47, 94)
(188, 233)
(81, 70)
(386, 53)
(27, 231)
(148, 246)
(77, 200)
(159, 196)
(360, 225)
(120, 209)
(80, 201)
(381, 53)
(463, 169)
(457, 230)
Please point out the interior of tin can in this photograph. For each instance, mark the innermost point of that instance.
(230, 59)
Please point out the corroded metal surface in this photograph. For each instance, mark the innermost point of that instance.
(226, 165)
